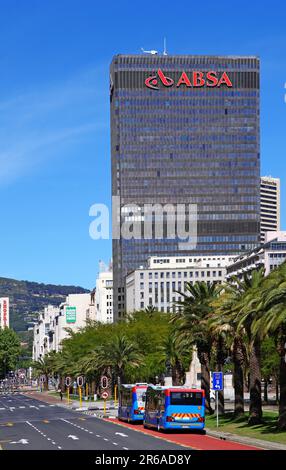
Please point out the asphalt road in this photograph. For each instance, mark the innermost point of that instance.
(30, 424)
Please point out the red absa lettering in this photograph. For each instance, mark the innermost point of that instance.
(184, 80)
(225, 80)
(212, 79)
(198, 79)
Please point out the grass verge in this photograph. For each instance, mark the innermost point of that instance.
(266, 431)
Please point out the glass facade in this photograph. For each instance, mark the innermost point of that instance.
(175, 145)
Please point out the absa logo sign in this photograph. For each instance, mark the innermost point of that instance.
(194, 79)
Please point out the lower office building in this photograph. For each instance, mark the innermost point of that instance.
(158, 284)
(268, 256)
(50, 330)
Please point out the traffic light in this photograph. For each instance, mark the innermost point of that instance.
(104, 382)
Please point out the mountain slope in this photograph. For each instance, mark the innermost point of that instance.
(27, 299)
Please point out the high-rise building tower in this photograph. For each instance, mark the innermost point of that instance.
(269, 205)
(185, 129)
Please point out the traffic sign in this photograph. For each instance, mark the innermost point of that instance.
(104, 395)
(217, 381)
(42, 378)
(104, 382)
(68, 381)
(79, 381)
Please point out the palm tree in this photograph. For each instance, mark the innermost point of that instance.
(45, 366)
(118, 354)
(250, 310)
(190, 319)
(274, 321)
(176, 352)
(222, 322)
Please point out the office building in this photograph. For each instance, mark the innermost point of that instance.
(269, 205)
(50, 329)
(104, 297)
(269, 256)
(158, 284)
(184, 129)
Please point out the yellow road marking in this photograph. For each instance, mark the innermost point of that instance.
(82, 419)
(46, 421)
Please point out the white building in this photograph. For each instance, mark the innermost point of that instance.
(4, 312)
(156, 285)
(269, 255)
(50, 330)
(269, 205)
(104, 297)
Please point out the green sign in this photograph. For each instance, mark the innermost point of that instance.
(70, 314)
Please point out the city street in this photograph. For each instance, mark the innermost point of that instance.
(32, 424)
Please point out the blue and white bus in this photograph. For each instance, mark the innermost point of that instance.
(174, 408)
(132, 402)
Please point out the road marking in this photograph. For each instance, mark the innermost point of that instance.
(21, 441)
(42, 434)
(42, 406)
(46, 421)
(2, 408)
(125, 448)
(22, 407)
(73, 437)
(121, 434)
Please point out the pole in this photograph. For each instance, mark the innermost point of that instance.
(86, 389)
(104, 407)
(80, 397)
(68, 395)
(216, 408)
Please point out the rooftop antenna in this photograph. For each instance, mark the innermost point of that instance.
(153, 52)
(165, 47)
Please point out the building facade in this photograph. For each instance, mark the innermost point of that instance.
(104, 297)
(4, 312)
(50, 330)
(268, 256)
(158, 284)
(184, 129)
(269, 205)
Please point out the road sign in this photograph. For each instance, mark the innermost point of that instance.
(79, 381)
(42, 379)
(104, 395)
(68, 381)
(217, 381)
(104, 381)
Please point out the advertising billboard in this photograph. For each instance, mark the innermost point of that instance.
(4, 312)
(70, 314)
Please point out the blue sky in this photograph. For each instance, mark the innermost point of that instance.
(54, 112)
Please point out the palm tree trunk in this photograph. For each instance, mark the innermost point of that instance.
(265, 391)
(204, 357)
(238, 377)
(255, 407)
(282, 380)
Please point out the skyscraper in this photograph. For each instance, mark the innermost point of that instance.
(269, 205)
(185, 129)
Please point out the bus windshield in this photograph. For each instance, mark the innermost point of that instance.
(141, 394)
(186, 398)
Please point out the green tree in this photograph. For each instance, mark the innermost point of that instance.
(9, 350)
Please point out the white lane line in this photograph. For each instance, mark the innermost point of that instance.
(44, 435)
(22, 407)
(115, 443)
(2, 409)
(125, 448)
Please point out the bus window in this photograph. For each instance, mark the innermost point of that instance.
(186, 398)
